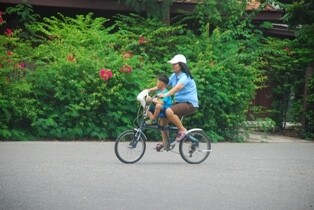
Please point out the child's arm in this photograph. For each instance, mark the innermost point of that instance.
(158, 101)
(152, 89)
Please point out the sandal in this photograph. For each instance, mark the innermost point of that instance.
(159, 147)
(180, 136)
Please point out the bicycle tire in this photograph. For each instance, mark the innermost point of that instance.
(130, 146)
(195, 153)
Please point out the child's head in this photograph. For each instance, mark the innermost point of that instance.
(162, 81)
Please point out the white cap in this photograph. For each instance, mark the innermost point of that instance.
(178, 58)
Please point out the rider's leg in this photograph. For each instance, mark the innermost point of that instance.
(158, 107)
(164, 134)
(173, 113)
(150, 111)
(175, 120)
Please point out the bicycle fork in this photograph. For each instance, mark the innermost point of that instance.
(135, 138)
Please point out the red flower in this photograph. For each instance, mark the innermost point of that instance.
(1, 20)
(8, 32)
(21, 65)
(288, 50)
(9, 53)
(126, 55)
(109, 73)
(126, 69)
(1, 13)
(71, 58)
(142, 40)
(105, 74)
(105, 77)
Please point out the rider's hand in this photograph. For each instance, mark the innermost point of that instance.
(160, 95)
(148, 98)
(155, 100)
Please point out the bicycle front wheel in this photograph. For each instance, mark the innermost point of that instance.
(130, 146)
(195, 147)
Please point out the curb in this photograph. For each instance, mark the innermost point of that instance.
(256, 137)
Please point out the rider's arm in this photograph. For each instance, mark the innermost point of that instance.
(173, 90)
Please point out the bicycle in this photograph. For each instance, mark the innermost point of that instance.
(130, 145)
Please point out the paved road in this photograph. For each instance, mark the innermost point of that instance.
(87, 175)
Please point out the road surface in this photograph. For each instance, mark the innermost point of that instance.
(87, 175)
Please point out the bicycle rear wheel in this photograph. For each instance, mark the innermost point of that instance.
(195, 147)
(130, 146)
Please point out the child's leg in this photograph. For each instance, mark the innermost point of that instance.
(150, 115)
(158, 107)
(150, 111)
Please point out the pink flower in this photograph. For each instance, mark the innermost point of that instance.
(8, 32)
(1, 20)
(105, 74)
(126, 69)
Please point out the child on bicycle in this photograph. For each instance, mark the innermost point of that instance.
(159, 104)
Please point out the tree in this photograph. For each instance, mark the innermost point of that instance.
(299, 15)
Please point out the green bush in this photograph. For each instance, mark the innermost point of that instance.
(17, 108)
(75, 101)
(62, 95)
(227, 79)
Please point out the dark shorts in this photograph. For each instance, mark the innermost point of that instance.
(183, 108)
(162, 113)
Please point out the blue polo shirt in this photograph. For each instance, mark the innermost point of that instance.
(188, 93)
(166, 100)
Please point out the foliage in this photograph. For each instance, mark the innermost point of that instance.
(26, 16)
(287, 71)
(213, 14)
(282, 71)
(148, 38)
(309, 129)
(76, 102)
(227, 79)
(17, 108)
(73, 78)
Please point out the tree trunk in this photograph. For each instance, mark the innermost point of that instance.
(165, 8)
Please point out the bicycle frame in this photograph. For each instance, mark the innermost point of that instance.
(143, 126)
